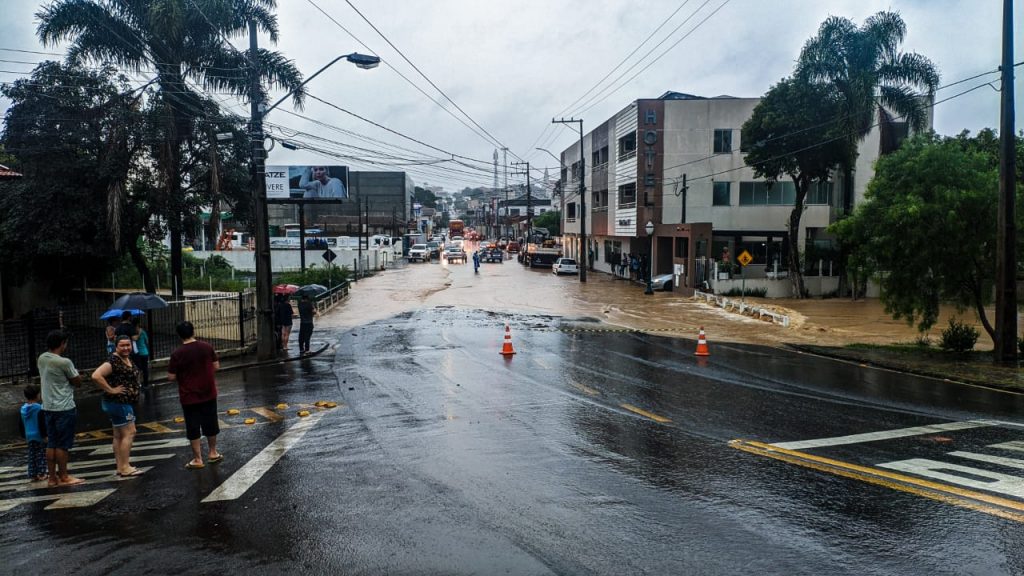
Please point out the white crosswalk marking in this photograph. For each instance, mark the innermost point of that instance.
(136, 446)
(74, 467)
(66, 500)
(885, 435)
(98, 477)
(254, 469)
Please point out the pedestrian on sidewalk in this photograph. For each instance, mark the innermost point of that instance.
(141, 352)
(118, 377)
(623, 263)
(192, 366)
(306, 313)
(58, 377)
(283, 320)
(34, 426)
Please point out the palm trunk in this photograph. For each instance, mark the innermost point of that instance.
(142, 266)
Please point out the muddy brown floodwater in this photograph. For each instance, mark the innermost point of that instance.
(511, 288)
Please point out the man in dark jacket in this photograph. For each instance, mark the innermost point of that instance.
(283, 321)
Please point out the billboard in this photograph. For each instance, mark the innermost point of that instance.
(310, 183)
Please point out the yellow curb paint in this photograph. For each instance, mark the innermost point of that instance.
(303, 413)
(156, 427)
(320, 404)
(961, 497)
(645, 413)
(282, 406)
(179, 419)
(330, 405)
(233, 412)
(586, 389)
(268, 414)
(250, 421)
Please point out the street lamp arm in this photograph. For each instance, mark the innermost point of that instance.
(557, 159)
(361, 60)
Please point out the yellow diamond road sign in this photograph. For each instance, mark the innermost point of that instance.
(745, 258)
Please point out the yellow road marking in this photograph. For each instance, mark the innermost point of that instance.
(964, 498)
(645, 413)
(268, 414)
(157, 427)
(585, 389)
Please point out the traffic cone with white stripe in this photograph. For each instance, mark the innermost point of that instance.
(506, 348)
(702, 344)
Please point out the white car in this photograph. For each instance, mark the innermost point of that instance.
(419, 252)
(564, 266)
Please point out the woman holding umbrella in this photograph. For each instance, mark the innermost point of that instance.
(119, 380)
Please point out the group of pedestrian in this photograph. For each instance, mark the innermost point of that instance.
(49, 415)
(131, 326)
(284, 317)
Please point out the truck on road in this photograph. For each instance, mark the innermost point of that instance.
(541, 250)
(456, 228)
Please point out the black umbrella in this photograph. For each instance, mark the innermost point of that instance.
(139, 301)
(311, 290)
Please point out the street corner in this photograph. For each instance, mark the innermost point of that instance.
(975, 464)
(253, 438)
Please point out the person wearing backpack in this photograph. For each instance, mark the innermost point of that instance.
(33, 428)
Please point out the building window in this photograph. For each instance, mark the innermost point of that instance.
(760, 194)
(723, 141)
(599, 157)
(575, 171)
(627, 146)
(612, 252)
(513, 211)
(627, 194)
(570, 211)
(720, 193)
(820, 193)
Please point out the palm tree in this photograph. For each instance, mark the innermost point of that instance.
(865, 68)
(185, 41)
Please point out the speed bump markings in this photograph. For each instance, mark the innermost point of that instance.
(994, 493)
(266, 415)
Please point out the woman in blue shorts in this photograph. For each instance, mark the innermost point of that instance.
(119, 379)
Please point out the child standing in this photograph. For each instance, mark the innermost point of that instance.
(35, 433)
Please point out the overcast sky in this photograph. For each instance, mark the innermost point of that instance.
(512, 66)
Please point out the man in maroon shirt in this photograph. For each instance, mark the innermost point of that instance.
(192, 366)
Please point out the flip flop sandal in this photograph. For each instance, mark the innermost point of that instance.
(134, 472)
(216, 458)
(192, 466)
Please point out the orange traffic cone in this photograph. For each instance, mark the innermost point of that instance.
(506, 348)
(702, 344)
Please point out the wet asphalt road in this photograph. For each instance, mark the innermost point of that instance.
(588, 452)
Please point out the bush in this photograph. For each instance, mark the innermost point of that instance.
(958, 337)
(325, 276)
(752, 292)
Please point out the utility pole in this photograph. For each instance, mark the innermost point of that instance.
(529, 197)
(1005, 351)
(583, 199)
(504, 163)
(265, 347)
(682, 194)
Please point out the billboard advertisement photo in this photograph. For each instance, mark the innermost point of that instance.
(311, 183)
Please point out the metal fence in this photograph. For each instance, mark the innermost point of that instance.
(224, 320)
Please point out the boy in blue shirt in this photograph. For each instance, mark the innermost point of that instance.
(35, 433)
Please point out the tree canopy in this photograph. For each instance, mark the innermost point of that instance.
(792, 133)
(925, 231)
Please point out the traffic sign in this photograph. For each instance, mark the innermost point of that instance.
(745, 258)
(329, 256)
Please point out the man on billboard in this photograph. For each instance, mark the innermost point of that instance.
(318, 183)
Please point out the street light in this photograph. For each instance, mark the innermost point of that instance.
(265, 345)
(650, 261)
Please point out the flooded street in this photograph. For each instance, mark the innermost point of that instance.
(417, 443)
(510, 287)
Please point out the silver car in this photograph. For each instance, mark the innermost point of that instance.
(663, 282)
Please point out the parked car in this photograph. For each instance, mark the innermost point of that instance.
(513, 246)
(455, 254)
(663, 282)
(419, 252)
(564, 266)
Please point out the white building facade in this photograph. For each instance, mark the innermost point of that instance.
(676, 162)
